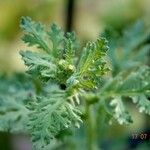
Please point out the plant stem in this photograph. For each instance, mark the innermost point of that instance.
(91, 128)
(100, 119)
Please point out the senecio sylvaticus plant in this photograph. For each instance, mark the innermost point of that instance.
(68, 87)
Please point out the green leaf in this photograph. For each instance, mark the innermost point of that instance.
(131, 45)
(50, 114)
(91, 54)
(14, 91)
(56, 35)
(35, 34)
(143, 103)
(134, 36)
(136, 82)
(135, 85)
(120, 112)
(13, 114)
(91, 67)
(39, 65)
(70, 47)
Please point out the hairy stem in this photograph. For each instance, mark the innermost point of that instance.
(91, 128)
(100, 119)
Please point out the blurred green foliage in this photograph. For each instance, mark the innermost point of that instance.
(14, 91)
(131, 48)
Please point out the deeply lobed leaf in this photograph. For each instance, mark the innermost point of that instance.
(135, 85)
(50, 114)
(120, 112)
(35, 34)
(91, 67)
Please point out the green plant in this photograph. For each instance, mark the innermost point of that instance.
(128, 49)
(66, 90)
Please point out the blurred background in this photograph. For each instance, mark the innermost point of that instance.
(89, 19)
